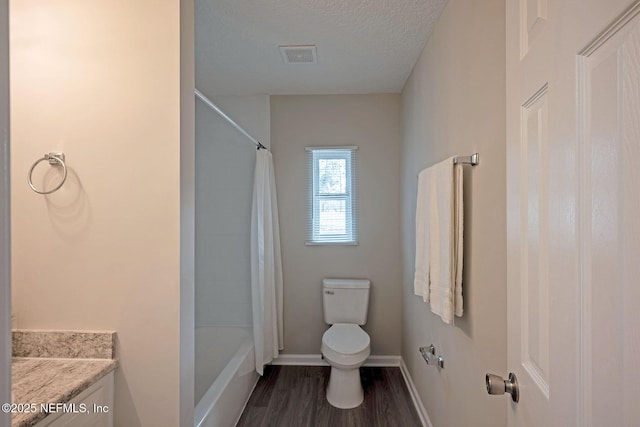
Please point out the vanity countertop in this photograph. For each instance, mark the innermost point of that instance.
(46, 380)
(56, 366)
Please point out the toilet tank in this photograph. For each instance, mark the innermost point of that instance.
(345, 300)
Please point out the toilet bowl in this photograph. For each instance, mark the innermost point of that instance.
(345, 347)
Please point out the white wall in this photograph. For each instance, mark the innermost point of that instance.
(5, 244)
(225, 161)
(100, 81)
(372, 122)
(454, 104)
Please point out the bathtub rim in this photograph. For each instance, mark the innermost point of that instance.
(210, 398)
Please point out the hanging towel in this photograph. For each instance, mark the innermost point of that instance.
(439, 239)
(421, 277)
(266, 264)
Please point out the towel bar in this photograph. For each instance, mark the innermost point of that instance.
(472, 160)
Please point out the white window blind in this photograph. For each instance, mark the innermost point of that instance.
(332, 209)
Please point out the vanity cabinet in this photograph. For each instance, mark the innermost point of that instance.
(98, 400)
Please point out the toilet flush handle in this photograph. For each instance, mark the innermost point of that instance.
(329, 292)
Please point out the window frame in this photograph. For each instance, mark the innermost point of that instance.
(315, 196)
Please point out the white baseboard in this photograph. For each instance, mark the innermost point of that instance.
(299, 360)
(316, 360)
(413, 391)
(383, 361)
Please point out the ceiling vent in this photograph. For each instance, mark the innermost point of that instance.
(299, 54)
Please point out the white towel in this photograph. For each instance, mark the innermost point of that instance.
(421, 277)
(439, 242)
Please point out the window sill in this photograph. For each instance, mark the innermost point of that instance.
(331, 243)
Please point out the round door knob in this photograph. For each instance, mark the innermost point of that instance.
(497, 385)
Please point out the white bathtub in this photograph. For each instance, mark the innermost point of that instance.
(224, 356)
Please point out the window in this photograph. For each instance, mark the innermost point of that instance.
(332, 196)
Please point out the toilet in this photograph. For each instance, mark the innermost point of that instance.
(345, 345)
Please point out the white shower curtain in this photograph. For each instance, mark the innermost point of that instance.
(266, 264)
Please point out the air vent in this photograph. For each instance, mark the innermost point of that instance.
(299, 54)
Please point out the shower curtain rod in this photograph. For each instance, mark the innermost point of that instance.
(222, 114)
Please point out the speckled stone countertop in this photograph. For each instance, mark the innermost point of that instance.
(65, 364)
(64, 344)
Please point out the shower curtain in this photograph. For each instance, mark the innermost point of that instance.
(266, 264)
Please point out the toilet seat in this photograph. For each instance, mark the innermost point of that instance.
(346, 344)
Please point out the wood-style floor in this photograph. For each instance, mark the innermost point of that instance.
(295, 396)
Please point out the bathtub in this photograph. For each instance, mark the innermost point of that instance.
(225, 374)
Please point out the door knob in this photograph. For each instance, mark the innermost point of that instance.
(497, 385)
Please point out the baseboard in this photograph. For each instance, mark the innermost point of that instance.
(299, 360)
(413, 391)
(383, 361)
(316, 360)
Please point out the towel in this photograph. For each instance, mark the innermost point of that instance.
(439, 239)
(421, 277)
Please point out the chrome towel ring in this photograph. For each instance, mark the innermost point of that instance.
(54, 159)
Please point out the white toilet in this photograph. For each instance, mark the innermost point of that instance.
(345, 346)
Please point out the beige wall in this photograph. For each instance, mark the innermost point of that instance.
(454, 104)
(100, 81)
(372, 122)
(5, 261)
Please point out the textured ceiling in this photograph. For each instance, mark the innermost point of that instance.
(364, 46)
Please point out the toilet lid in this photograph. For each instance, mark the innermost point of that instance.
(346, 338)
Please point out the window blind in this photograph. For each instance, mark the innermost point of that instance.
(332, 188)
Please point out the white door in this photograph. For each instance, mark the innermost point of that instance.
(573, 202)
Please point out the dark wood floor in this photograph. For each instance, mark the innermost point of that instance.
(295, 396)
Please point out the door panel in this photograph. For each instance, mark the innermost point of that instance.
(533, 338)
(609, 87)
(535, 230)
(533, 18)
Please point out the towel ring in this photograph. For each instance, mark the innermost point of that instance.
(54, 159)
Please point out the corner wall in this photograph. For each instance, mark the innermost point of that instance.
(454, 104)
(187, 213)
(100, 81)
(372, 122)
(225, 163)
